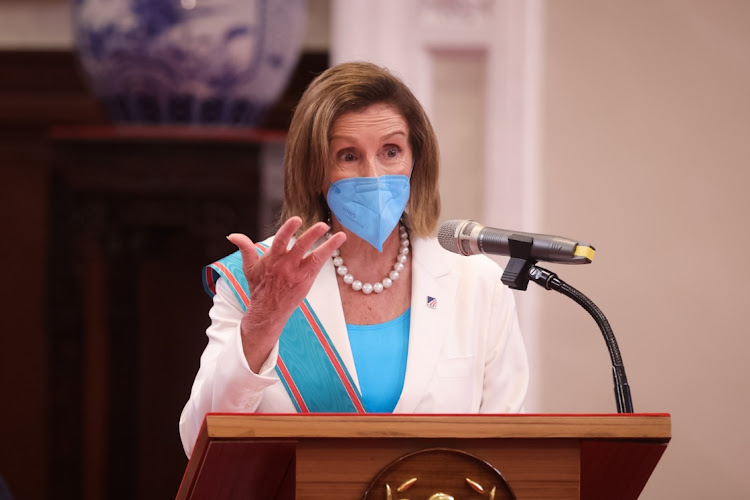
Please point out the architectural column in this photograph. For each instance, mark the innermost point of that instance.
(476, 67)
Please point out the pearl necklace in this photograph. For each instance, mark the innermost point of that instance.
(387, 282)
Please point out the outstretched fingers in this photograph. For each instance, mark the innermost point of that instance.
(297, 257)
(247, 249)
(307, 239)
(318, 257)
(284, 236)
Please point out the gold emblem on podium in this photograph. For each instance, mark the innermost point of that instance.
(439, 474)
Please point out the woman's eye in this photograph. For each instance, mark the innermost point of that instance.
(347, 157)
(391, 152)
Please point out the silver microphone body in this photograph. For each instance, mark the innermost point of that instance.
(467, 237)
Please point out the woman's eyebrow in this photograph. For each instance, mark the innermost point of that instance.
(391, 134)
(354, 138)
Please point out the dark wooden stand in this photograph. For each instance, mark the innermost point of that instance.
(134, 214)
(40, 89)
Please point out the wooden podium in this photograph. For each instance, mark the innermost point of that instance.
(266, 457)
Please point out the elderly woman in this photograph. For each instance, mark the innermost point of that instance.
(352, 306)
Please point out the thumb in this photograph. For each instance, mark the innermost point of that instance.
(247, 249)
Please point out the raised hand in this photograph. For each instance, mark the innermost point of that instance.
(278, 281)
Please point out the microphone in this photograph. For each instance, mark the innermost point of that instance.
(467, 237)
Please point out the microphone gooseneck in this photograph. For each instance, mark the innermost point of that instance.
(551, 281)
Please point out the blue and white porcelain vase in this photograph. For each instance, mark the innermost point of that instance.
(207, 62)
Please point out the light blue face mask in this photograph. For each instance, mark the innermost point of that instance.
(370, 207)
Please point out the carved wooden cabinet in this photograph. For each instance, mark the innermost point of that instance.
(134, 215)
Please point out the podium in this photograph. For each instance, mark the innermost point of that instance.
(284, 457)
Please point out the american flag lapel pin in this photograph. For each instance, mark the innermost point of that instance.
(431, 302)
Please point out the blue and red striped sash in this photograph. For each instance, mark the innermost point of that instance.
(308, 365)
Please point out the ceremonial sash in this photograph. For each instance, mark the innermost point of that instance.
(308, 364)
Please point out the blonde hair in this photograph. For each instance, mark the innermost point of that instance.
(346, 88)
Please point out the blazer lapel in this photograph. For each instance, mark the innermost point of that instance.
(325, 300)
(433, 293)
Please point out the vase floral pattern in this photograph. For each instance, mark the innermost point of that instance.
(205, 62)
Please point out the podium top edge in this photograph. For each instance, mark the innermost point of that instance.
(649, 426)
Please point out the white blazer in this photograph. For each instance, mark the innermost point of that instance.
(466, 354)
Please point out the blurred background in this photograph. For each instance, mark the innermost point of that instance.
(625, 124)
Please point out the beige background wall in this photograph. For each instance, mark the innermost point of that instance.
(35, 24)
(646, 124)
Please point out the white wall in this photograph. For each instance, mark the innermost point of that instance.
(38, 24)
(646, 120)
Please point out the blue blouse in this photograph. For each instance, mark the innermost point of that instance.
(380, 353)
